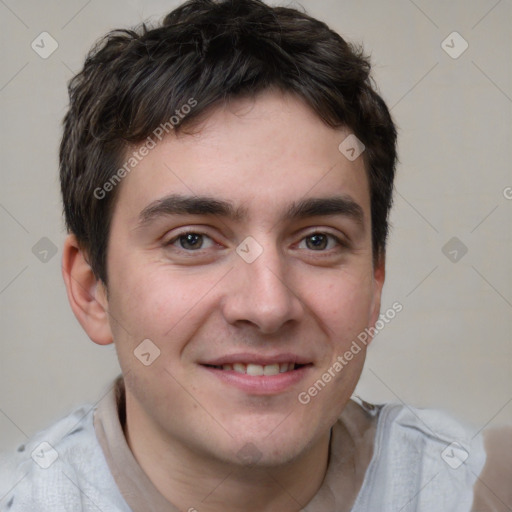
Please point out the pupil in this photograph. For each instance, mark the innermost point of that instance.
(318, 240)
(190, 239)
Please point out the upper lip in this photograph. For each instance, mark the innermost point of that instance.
(259, 359)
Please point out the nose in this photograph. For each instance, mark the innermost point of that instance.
(262, 293)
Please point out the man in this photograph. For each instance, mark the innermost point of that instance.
(227, 178)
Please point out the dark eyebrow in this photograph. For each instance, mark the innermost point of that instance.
(325, 206)
(176, 204)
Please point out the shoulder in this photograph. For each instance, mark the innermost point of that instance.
(443, 441)
(422, 457)
(408, 429)
(60, 466)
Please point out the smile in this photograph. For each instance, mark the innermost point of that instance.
(256, 375)
(258, 369)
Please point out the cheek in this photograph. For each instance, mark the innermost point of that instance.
(156, 302)
(345, 302)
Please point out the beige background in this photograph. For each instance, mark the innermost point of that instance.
(450, 347)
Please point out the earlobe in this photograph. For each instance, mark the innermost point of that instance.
(86, 293)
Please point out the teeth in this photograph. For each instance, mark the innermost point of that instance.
(258, 369)
(254, 369)
(271, 369)
(239, 367)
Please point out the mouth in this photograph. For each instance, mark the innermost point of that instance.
(259, 375)
(258, 369)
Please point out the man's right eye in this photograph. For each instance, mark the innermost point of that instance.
(190, 241)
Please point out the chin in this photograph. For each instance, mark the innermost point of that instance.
(268, 451)
(270, 439)
(265, 456)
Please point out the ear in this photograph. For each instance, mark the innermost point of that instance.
(379, 275)
(86, 294)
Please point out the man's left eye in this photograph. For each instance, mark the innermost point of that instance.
(320, 241)
(190, 241)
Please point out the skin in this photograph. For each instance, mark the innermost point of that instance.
(186, 426)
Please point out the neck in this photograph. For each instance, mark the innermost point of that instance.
(192, 481)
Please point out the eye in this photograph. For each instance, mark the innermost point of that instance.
(319, 242)
(190, 241)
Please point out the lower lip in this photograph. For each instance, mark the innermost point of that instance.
(261, 384)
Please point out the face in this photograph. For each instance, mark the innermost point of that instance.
(269, 273)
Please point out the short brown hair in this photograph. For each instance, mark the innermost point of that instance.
(135, 80)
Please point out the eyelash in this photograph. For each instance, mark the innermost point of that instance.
(341, 243)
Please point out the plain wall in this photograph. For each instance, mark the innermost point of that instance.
(450, 347)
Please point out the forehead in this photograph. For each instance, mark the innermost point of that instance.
(259, 155)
